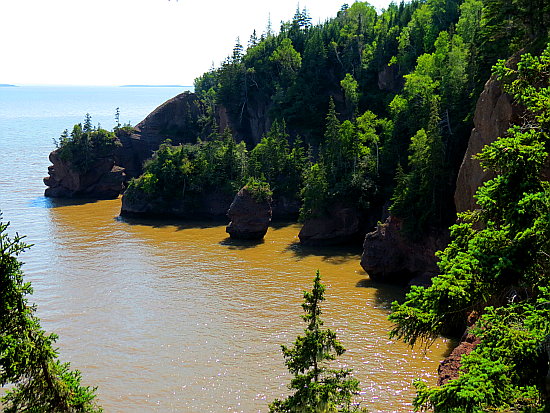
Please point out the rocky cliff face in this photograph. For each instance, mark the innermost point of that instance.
(390, 257)
(494, 113)
(341, 225)
(103, 180)
(176, 119)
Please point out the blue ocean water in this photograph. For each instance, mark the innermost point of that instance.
(31, 117)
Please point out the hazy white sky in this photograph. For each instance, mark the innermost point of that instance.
(116, 42)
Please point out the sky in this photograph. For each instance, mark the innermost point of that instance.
(121, 42)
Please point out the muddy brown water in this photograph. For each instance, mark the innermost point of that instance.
(171, 316)
(167, 316)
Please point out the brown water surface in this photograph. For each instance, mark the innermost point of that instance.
(177, 317)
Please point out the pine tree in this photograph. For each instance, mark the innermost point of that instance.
(28, 360)
(88, 123)
(317, 387)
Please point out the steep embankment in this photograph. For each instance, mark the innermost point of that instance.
(391, 256)
(177, 119)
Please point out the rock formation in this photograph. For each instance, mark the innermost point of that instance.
(389, 256)
(284, 208)
(210, 204)
(340, 225)
(103, 180)
(449, 368)
(249, 217)
(176, 119)
(494, 113)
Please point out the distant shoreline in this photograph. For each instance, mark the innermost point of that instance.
(154, 86)
(7, 85)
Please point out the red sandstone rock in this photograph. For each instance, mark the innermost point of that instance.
(389, 256)
(340, 226)
(493, 116)
(103, 180)
(449, 368)
(249, 217)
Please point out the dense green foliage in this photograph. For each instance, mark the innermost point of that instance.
(368, 109)
(279, 164)
(497, 267)
(173, 171)
(317, 388)
(260, 190)
(28, 360)
(382, 101)
(86, 144)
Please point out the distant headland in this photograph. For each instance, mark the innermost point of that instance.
(154, 86)
(7, 85)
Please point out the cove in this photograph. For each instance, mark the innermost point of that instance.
(172, 316)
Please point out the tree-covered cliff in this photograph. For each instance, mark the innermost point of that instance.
(369, 114)
(375, 106)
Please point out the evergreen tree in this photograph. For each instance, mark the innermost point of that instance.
(497, 268)
(117, 118)
(28, 360)
(317, 387)
(87, 123)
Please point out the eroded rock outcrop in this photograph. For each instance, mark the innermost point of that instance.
(102, 180)
(341, 225)
(494, 113)
(176, 119)
(449, 368)
(390, 257)
(250, 217)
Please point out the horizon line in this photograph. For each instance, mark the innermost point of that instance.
(85, 85)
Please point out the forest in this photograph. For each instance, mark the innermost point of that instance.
(374, 110)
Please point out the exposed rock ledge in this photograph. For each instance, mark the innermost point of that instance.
(390, 257)
(103, 180)
(340, 225)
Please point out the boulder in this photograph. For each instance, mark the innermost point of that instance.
(249, 217)
(390, 257)
(103, 180)
(340, 225)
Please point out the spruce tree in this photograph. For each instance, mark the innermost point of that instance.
(317, 388)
